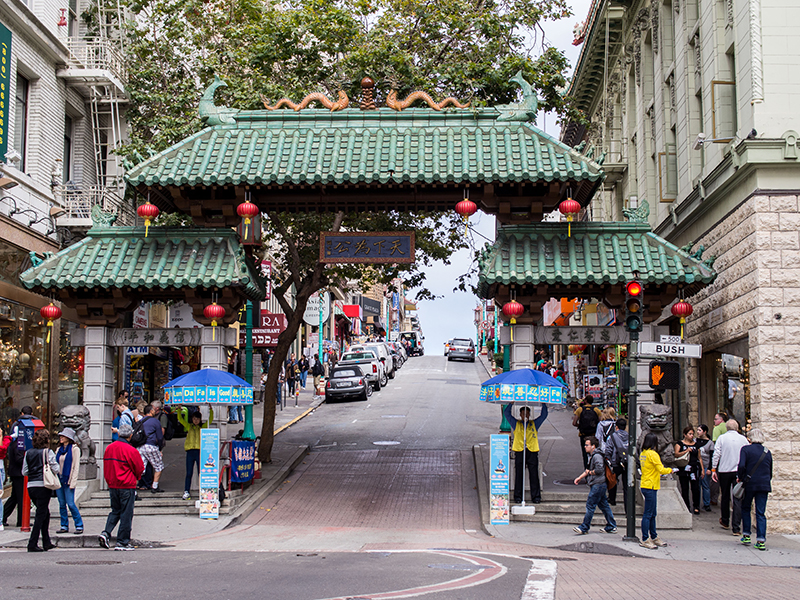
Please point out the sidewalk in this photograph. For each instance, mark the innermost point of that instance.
(157, 530)
(705, 542)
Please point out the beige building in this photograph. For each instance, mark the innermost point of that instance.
(691, 103)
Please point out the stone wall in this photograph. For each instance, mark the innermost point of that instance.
(757, 295)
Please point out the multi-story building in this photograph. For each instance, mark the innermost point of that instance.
(691, 104)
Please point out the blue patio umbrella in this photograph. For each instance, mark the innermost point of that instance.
(210, 386)
(522, 386)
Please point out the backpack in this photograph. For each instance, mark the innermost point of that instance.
(169, 430)
(621, 451)
(607, 430)
(139, 437)
(587, 422)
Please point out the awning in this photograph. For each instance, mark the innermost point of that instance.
(352, 311)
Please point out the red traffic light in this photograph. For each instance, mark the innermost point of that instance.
(634, 288)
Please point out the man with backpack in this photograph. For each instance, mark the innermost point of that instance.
(616, 453)
(595, 475)
(585, 418)
(148, 436)
(16, 456)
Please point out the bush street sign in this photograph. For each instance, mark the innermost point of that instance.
(680, 350)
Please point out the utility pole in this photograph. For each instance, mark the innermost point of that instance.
(249, 433)
(630, 505)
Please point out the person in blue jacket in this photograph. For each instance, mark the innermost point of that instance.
(755, 471)
(526, 436)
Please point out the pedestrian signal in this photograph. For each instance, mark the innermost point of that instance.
(633, 306)
(665, 374)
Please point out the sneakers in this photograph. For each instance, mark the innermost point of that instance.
(79, 531)
(63, 530)
(612, 530)
(124, 547)
(579, 531)
(760, 546)
(745, 539)
(104, 541)
(185, 496)
(648, 544)
(659, 542)
(735, 533)
(157, 490)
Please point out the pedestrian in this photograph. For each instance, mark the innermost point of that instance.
(526, 448)
(291, 372)
(755, 471)
(616, 453)
(69, 462)
(724, 467)
(5, 442)
(303, 366)
(706, 451)
(720, 419)
(193, 424)
(151, 449)
(689, 475)
(122, 468)
(652, 470)
(595, 475)
(317, 371)
(16, 456)
(33, 469)
(120, 406)
(606, 426)
(585, 418)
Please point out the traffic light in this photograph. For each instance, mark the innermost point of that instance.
(625, 380)
(664, 374)
(633, 306)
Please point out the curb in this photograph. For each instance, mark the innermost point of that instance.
(482, 487)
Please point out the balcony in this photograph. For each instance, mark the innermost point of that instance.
(77, 203)
(94, 61)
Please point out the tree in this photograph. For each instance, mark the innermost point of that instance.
(468, 49)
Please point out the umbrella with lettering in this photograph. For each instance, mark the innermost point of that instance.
(208, 386)
(522, 386)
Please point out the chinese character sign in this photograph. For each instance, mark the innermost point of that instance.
(5, 84)
(387, 247)
(209, 473)
(243, 460)
(498, 480)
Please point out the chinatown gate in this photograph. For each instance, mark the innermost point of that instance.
(351, 158)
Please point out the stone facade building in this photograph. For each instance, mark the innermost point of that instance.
(691, 104)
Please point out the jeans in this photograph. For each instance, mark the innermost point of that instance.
(291, 383)
(66, 500)
(649, 514)
(761, 514)
(40, 496)
(15, 500)
(122, 502)
(303, 378)
(705, 486)
(598, 497)
(532, 464)
(235, 414)
(192, 462)
(726, 481)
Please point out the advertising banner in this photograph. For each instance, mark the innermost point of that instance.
(498, 480)
(519, 393)
(5, 87)
(209, 473)
(243, 460)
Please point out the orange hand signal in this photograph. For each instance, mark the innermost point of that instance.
(656, 375)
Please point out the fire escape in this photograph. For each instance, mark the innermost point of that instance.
(96, 70)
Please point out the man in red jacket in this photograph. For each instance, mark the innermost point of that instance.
(122, 468)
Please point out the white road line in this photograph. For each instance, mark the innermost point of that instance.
(354, 420)
(541, 583)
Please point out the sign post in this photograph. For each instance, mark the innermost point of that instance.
(498, 480)
(209, 473)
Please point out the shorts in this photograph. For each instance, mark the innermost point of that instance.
(152, 454)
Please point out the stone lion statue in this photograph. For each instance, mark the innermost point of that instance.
(77, 416)
(657, 418)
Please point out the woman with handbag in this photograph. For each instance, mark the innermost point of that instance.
(690, 468)
(39, 466)
(69, 461)
(755, 472)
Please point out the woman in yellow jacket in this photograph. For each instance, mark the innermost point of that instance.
(652, 470)
(192, 424)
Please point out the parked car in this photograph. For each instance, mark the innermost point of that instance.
(416, 339)
(384, 354)
(401, 351)
(447, 346)
(370, 364)
(347, 382)
(462, 348)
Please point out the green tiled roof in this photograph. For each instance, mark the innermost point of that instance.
(169, 258)
(596, 253)
(315, 146)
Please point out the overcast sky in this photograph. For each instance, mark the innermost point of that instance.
(452, 315)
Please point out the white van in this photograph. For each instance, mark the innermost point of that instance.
(416, 339)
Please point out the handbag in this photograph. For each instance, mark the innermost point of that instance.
(611, 477)
(50, 479)
(738, 489)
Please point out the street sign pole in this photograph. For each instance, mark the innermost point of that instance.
(249, 433)
(630, 505)
(321, 313)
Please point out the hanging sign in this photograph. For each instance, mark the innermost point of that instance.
(5, 87)
(311, 314)
(387, 247)
(498, 480)
(209, 473)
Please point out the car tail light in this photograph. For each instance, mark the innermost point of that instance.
(360, 382)
(374, 368)
(327, 385)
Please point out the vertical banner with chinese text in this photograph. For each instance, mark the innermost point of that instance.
(209, 473)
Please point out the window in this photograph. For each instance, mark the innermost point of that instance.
(21, 119)
(66, 175)
(72, 18)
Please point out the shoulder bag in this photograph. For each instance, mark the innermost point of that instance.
(682, 460)
(738, 489)
(50, 479)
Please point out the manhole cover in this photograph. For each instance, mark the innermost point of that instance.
(88, 562)
(386, 443)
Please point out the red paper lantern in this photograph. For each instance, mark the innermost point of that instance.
(569, 207)
(50, 312)
(247, 210)
(513, 309)
(148, 212)
(214, 312)
(682, 309)
(466, 208)
(577, 348)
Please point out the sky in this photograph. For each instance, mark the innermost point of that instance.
(452, 315)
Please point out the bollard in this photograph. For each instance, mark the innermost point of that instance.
(25, 508)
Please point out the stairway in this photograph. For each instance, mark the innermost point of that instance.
(168, 503)
(569, 507)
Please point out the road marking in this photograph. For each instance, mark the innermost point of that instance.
(393, 416)
(326, 445)
(385, 443)
(354, 420)
(541, 583)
